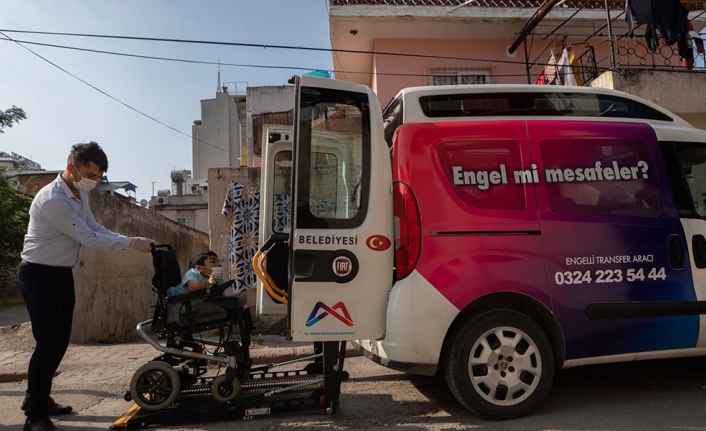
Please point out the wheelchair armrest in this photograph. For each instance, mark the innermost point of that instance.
(218, 289)
(185, 297)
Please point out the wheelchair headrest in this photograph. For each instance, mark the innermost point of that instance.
(166, 268)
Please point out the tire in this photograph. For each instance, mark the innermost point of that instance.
(155, 385)
(222, 393)
(500, 364)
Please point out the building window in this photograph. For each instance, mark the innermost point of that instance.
(187, 221)
(458, 76)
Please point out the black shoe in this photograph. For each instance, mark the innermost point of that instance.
(43, 425)
(53, 409)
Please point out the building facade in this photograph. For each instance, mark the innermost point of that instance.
(393, 44)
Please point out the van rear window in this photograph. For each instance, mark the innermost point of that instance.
(537, 104)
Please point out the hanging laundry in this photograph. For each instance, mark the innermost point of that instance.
(576, 69)
(564, 69)
(242, 206)
(667, 16)
(542, 77)
(551, 71)
(695, 37)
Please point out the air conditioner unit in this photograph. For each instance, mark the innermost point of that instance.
(160, 200)
(196, 186)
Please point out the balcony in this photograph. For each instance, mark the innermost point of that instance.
(692, 5)
(481, 31)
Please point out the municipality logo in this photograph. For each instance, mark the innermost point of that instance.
(322, 310)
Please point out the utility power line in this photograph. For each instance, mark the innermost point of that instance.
(108, 95)
(260, 45)
(261, 66)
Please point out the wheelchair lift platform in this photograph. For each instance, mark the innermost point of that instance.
(314, 387)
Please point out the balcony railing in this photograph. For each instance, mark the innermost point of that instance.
(633, 53)
(571, 4)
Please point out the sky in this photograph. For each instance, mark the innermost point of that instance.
(62, 111)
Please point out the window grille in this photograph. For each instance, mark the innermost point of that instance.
(187, 221)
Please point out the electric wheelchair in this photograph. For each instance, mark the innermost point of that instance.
(180, 329)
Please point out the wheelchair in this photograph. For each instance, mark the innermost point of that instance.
(189, 358)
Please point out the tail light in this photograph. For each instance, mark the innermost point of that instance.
(409, 240)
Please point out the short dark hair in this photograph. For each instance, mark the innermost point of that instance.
(84, 154)
(200, 258)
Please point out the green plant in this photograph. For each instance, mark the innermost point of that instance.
(14, 216)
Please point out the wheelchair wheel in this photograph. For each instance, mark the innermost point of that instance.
(245, 377)
(155, 385)
(222, 392)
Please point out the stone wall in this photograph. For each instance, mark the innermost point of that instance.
(673, 90)
(8, 281)
(113, 289)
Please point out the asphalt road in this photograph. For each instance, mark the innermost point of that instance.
(652, 395)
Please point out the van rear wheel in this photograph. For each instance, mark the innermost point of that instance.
(500, 364)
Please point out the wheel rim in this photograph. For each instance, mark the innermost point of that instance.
(505, 366)
(154, 387)
(222, 392)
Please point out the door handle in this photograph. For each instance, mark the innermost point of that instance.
(698, 244)
(676, 251)
(304, 264)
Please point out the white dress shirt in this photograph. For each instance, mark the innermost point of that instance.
(59, 223)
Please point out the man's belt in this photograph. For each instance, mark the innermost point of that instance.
(49, 266)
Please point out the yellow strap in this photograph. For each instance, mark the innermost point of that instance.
(122, 421)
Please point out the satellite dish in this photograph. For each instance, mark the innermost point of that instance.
(143, 203)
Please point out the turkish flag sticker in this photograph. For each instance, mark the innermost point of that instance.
(378, 243)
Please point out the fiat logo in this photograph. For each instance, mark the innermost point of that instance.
(342, 266)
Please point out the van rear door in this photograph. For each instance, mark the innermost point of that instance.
(341, 254)
(275, 214)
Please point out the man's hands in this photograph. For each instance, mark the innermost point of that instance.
(141, 244)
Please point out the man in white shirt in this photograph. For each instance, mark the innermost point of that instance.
(60, 222)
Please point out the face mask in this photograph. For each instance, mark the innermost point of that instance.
(85, 185)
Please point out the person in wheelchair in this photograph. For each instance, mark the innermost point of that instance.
(193, 306)
(204, 273)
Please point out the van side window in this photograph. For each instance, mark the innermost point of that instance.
(282, 192)
(537, 104)
(481, 173)
(602, 178)
(692, 170)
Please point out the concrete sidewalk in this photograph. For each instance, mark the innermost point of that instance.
(14, 360)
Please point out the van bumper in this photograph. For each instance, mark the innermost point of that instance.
(417, 320)
(368, 348)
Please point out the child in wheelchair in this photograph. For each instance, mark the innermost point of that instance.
(188, 310)
(204, 272)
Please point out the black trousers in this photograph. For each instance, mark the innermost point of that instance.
(49, 295)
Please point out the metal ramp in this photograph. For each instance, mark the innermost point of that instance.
(315, 387)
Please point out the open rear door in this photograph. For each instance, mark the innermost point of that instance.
(275, 215)
(341, 254)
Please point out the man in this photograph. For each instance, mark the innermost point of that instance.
(60, 222)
